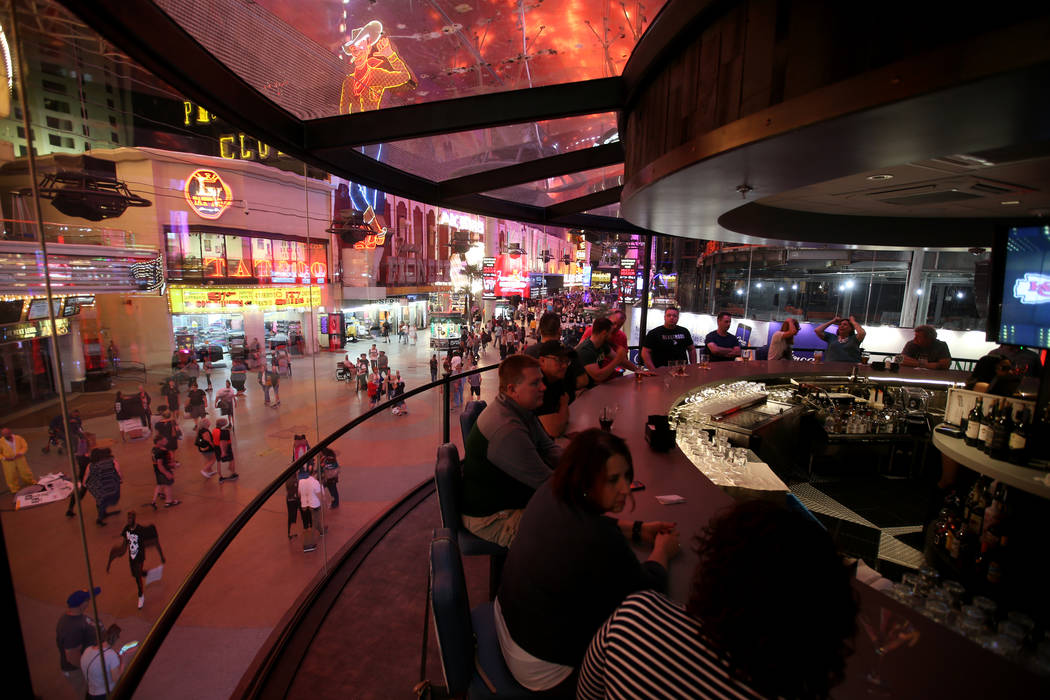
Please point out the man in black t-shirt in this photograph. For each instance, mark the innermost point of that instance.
(668, 343)
(554, 359)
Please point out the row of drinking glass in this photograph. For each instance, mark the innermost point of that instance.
(946, 603)
(719, 399)
(713, 455)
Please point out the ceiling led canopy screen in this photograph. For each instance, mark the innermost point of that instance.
(360, 55)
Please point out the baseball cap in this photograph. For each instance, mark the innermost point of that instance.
(78, 598)
(556, 349)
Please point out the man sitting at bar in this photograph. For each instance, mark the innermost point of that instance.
(926, 351)
(508, 454)
(668, 343)
(594, 352)
(722, 346)
(553, 413)
(617, 338)
(549, 327)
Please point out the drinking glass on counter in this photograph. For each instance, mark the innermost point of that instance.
(606, 417)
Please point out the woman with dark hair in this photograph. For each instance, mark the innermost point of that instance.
(102, 478)
(844, 344)
(571, 565)
(740, 635)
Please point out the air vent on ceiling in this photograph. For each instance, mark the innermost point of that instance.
(931, 198)
(991, 189)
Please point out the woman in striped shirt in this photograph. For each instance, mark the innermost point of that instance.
(745, 633)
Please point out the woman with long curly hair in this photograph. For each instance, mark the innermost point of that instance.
(741, 635)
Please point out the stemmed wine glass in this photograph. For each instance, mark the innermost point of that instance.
(893, 632)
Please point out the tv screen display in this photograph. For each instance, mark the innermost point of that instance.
(70, 307)
(11, 311)
(1025, 315)
(743, 333)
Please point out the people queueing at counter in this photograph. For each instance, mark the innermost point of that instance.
(722, 346)
(570, 565)
(844, 344)
(925, 350)
(740, 634)
(783, 341)
(508, 454)
(668, 343)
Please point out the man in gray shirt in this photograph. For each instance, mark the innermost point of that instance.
(508, 454)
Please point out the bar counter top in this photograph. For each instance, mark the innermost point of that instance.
(672, 472)
(941, 664)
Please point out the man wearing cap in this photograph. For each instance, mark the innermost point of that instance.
(553, 413)
(508, 454)
(75, 631)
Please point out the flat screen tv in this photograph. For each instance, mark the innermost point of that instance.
(1022, 258)
(11, 311)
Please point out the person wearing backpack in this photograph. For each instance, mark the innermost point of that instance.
(222, 439)
(164, 474)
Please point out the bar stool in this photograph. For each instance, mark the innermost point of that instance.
(448, 476)
(471, 660)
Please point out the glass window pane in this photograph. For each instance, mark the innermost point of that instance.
(262, 258)
(238, 256)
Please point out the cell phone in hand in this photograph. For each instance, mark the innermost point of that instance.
(637, 486)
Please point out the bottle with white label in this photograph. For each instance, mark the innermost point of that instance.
(1017, 448)
(973, 424)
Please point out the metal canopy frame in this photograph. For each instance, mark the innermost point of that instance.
(149, 36)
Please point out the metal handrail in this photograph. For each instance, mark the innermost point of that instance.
(136, 670)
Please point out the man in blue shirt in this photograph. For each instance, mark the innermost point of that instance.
(722, 346)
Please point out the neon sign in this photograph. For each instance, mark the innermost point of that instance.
(1033, 288)
(207, 194)
(232, 299)
(375, 68)
(461, 222)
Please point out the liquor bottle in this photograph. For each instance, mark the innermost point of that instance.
(1016, 445)
(1001, 430)
(984, 436)
(973, 424)
(1039, 441)
(976, 504)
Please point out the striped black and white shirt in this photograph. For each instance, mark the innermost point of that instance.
(651, 648)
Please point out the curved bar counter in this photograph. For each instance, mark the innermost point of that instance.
(666, 473)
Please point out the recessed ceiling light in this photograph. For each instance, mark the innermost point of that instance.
(880, 177)
(1010, 202)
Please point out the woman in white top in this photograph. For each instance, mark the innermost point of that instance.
(783, 340)
(91, 663)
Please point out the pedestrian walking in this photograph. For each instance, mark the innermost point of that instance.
(207, 368)
(433, 367)
(291, 496)
(205, 444)
(164, 473)
(102, 477)
(170, 391)
(373, 356)
(330, 474)
(134, 538)
(223, 440)
(225, 401)
(196, 403)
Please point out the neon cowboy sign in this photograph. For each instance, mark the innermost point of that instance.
(1033, 288)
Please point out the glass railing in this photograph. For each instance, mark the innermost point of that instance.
(243, 594)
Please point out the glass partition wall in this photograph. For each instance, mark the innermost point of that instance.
(132, 243)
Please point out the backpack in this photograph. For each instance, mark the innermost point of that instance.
(201, 443)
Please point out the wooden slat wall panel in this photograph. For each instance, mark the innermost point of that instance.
(760, 53)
